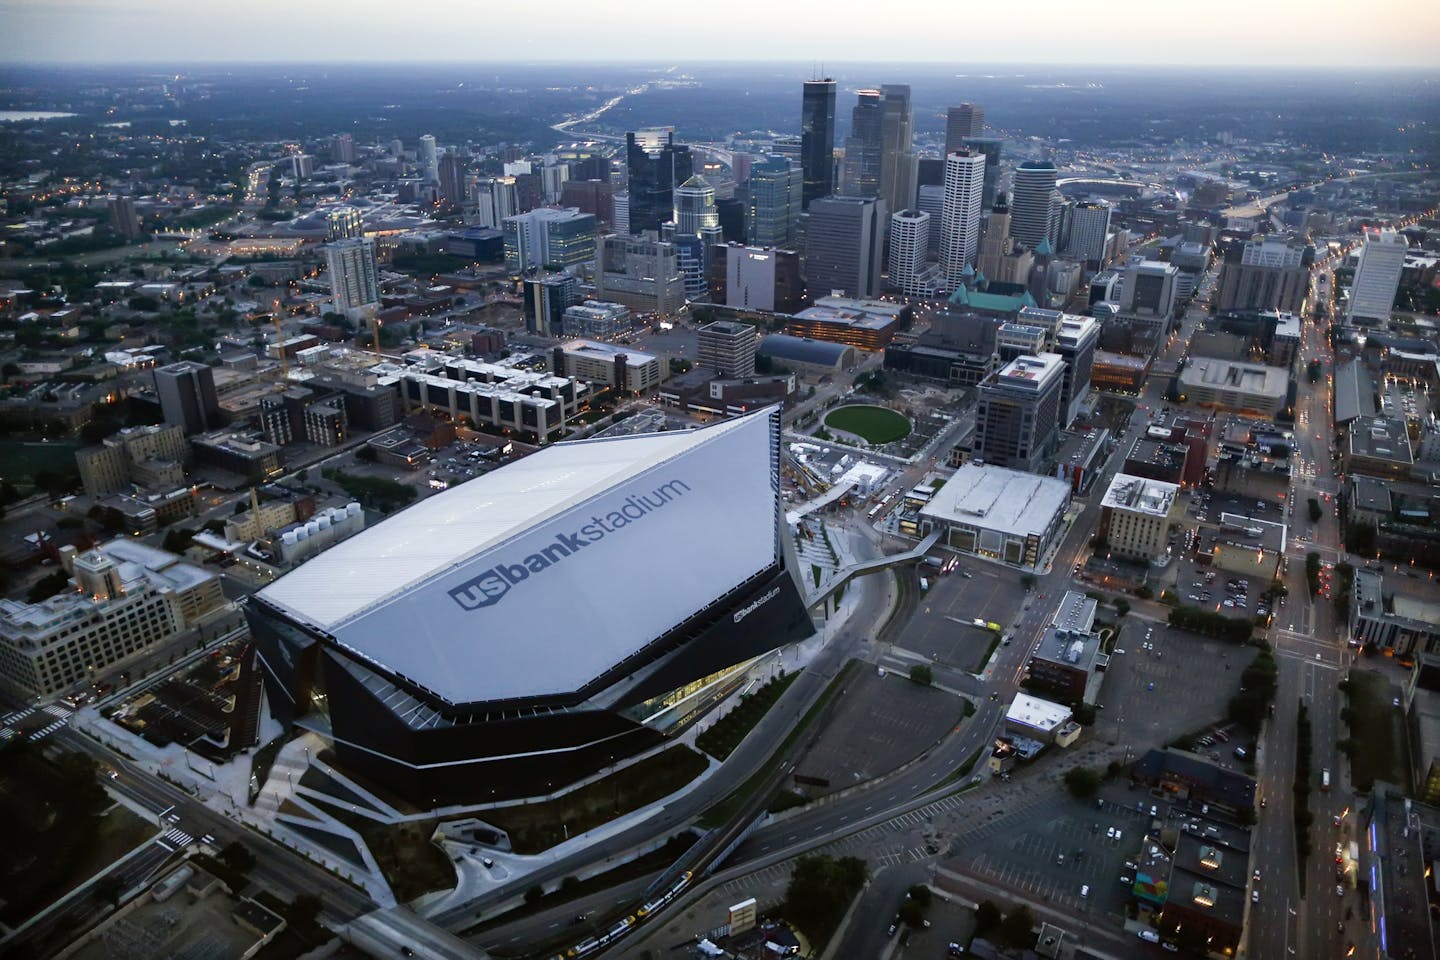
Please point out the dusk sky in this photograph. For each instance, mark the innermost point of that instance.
(1320, 33)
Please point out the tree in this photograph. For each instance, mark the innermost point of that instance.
(1027, 582)
(1144, 592)
(1018, 927)
(1122, 606)
(47, 586)
(821, 888)
(922, 674)
(987, 917)
(304, 909)
(237, 857)
(1082, 782)
(534, 892)
(1316, 512)
(366, 454)
(921, 894)
(108, 889)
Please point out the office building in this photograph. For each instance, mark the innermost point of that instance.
(344, 223)
(123, 599)
(1135, 516)
(989, 148)
(595, 197)
(998, 514)
(962, 123)
(549, 237)
(1066, 661)
(302, 166)
(960, 219)
(148, 456)
(732, 213)
(1148, 291)
(909, 253)
(1017, 413)
(123, 218)
(546, 300)
(354, 277)
(428, 156)
(597, 320)
(864, 147)
(844, 246)
(1267, 273)
(727, 348)
(1377, 277)
(931, 199)
(553, 177)
(451, 179)
(1088, 233)
(655, 167)
(186, 390)
(775, 199)
(694, 207)
(640, 273)
(496, 198)
(1075, 341)
(621, 664)
(897, 134)
(629, 370)
(756, 278)
(342, 148)
(817, 141)
(1032, 210)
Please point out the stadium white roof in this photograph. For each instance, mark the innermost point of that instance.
(418, 593)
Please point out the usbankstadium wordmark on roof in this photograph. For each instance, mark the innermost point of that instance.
(543, 575)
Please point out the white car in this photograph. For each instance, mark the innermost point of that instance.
(1110, 832)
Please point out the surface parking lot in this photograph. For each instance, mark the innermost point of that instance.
(886, 721)
(1152, 696)
(942, 630)
(1051, 847)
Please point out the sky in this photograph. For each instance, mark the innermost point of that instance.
(1249, 33)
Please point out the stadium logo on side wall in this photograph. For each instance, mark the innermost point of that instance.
(490, 587)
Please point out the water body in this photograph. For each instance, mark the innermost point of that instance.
(24, 116)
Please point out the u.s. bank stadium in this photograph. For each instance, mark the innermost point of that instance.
(534, 625)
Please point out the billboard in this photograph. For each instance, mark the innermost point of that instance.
(561, 602)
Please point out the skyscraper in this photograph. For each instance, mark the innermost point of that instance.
(897, 133)
(452, 181)
(990, 147)
(727, 347)
(776, 197)
(549, 236)
(354, 278)
(1017, 413)
(694, 207)
(909, 246)
(1089, 226)
(1377, 276)
(429, 156)
(864, 148)
(1032, 212)
(844, 245)
(817, 140)
(187, 396)
(342, 223)
(1267, 273)
(123, 219)
(960, 214)
(655, 166)
(961, 123)
(342, 148)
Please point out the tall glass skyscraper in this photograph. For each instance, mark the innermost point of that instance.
(656, 166)
(897, 134)
(990, 147)
(695, 207)
(1032, 212)
(817, 140)
(776, 189)
(864, 148)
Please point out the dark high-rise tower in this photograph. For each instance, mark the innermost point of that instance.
(864, 148)
(656, 168)
(966, 120)
(1032, 208)
(897, 136)
(990, 147)
(817, 140)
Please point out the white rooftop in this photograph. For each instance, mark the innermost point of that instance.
(998, 498)
(419, 594)
(1141, 495)
(1037, 713)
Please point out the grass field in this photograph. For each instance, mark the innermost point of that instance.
(875, 424)
(19, 460)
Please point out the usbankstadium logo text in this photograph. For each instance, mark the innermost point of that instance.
(490, 587)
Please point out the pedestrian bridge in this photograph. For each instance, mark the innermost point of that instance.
(847, 573)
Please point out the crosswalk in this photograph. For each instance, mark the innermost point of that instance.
(60, 716)
(175, 839)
